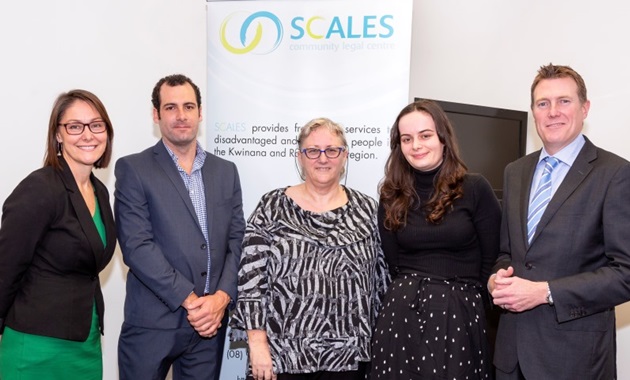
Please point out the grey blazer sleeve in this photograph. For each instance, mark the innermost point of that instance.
(137, 235)
(226, 223)
(599, 232)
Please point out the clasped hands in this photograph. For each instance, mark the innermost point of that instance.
(206, 313)
(516, 294)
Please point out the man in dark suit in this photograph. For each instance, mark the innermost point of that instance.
(559, 286)
(180, 224)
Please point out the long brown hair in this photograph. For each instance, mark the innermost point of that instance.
(397, 191)
(62, 103)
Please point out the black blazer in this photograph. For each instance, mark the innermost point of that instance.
(51, 255)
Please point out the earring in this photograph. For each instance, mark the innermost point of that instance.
(58, 149)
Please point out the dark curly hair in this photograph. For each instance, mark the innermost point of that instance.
(172, 81)
(397, 191)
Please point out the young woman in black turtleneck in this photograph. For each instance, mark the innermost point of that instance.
(439, 228)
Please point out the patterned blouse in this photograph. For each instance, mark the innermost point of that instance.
(313, 281)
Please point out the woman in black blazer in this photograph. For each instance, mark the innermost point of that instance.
(57, 234)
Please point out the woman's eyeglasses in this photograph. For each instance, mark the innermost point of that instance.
(331, 152)
(76, 128)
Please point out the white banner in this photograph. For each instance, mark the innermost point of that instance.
(274, 65)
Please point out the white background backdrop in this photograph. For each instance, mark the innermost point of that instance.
(479, 51)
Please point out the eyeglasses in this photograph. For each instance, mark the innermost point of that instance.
(76, 128)
(313, 153)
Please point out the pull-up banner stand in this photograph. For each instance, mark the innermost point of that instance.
(274, 65)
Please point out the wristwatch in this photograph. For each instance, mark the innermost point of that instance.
(549, 298)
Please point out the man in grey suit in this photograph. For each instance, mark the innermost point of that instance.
(559, 286)
(180, 227)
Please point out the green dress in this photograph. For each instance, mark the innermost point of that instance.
(35, 357)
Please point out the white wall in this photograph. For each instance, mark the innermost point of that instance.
(479, 51)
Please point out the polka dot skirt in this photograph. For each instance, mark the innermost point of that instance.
(431, 329)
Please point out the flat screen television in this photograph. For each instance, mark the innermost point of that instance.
(489, 138)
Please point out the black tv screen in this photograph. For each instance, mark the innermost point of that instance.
(489, 138)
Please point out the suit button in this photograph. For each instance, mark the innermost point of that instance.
(204, 246)
(203, 274)
(529, 265)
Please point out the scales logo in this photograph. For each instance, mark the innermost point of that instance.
(262, 32)
(251, 33)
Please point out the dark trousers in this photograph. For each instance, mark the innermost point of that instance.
(148, 354)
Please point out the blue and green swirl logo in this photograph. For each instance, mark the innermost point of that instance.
(262, 32)
(251, 33)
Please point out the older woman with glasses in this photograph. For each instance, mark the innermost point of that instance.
(312, 270)
(57, 234)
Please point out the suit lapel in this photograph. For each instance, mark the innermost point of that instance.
(82, 212)
(575, 176)
(168, 166)
(527, 176)
(209, 187)
(108, 220)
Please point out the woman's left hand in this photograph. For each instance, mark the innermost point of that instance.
(260, 356)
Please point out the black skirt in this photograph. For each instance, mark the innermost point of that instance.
(431, 329)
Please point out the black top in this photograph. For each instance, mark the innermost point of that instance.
(464, 244)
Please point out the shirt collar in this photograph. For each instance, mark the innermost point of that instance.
(568, 154)
(200, 156)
